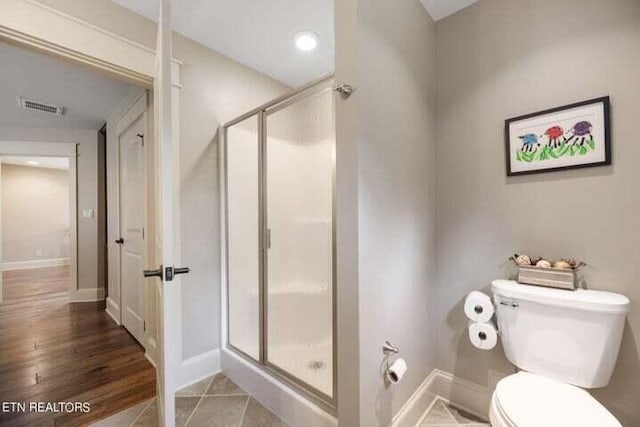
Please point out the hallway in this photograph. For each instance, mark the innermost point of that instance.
(54, 351)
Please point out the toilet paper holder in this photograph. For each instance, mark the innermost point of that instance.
(392, 373)
(389, 348)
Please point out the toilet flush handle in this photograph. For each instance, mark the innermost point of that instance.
(512, 304)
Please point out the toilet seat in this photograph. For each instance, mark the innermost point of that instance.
(529, 400)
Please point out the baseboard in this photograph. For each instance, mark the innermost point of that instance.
(113, 310)
(87, 295)
(419, 403)
(462, 393)
(280, 399)
(151, 351)
(199, 367)
(35, 263)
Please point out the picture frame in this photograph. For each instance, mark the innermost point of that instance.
(568, 137)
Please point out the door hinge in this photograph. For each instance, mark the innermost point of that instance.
(141, 136)
(143, 233)
(144, 325)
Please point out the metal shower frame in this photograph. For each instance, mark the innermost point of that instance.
(316, 87)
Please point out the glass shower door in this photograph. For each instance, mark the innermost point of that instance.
(299, 164)
(243, 228)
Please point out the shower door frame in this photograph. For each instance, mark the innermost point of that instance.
(315, 87)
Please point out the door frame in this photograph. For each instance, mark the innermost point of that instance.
(41, 28)
(55, 149)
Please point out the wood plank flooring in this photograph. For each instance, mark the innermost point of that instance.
(55, 351)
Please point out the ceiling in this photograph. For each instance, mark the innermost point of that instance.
(257, 33)
(260, 33)
(37, 162)
(439, 9)
(88, 97)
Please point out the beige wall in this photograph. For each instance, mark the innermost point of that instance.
(35, 213)
(503, 58)
(215, 89)
(396, 197)
(90, 253)
(346, 215)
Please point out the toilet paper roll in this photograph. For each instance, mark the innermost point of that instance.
(483, 335)
(478, 307)
(396, 371)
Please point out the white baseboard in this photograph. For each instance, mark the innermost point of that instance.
(35, 263)
(151, 351)
(86, 295)
(199, 367)
(462, 393)
(113, 310)
(280, 399)
(417, 405)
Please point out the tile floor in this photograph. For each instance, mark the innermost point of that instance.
(442, 414)
(212, 402)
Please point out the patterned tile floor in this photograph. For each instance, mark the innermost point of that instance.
(212, 402)
(442, 414)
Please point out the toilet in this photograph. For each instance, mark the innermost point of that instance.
(563, 342)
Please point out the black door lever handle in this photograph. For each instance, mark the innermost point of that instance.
(120, 241)
(183, 270)
(153, 273)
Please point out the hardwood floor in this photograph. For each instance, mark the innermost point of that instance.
(54, 351)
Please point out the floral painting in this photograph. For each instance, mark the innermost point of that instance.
(571, 136)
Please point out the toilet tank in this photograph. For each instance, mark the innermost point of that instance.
(569, 336)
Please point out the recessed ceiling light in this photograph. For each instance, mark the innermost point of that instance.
(34, 163)
(306, 40)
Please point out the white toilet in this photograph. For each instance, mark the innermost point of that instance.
(562, 341)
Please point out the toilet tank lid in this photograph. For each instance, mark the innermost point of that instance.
(580, 299)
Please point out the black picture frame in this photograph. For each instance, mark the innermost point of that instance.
(606, 152)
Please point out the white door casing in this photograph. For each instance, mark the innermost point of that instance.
(132, 226)
(40, 27)
(166, 151)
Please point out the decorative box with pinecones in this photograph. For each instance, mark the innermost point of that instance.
(534, 270)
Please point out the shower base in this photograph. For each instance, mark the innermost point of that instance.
(280, 398)
(309, 363)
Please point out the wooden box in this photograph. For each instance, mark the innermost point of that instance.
(550, 277)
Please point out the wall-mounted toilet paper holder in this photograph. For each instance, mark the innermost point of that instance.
(396, 368)
(388, 348)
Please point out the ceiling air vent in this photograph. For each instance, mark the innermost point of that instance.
(43, 107)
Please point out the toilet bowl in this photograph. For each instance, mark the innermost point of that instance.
(563, 342)
(529, 400)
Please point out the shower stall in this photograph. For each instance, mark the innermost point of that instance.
(279, 239)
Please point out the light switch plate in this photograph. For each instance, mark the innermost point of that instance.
(88, 213)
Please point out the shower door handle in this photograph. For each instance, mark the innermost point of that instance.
(267, 238)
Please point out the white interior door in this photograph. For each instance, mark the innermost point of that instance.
(167, 253)
(132, 226)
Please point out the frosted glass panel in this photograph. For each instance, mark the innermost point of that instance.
(299, 191)
(243, 222)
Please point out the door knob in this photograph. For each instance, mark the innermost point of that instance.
(171, 272)
(167, 274)
(153, 273)
(183, 270)
(120, 241)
